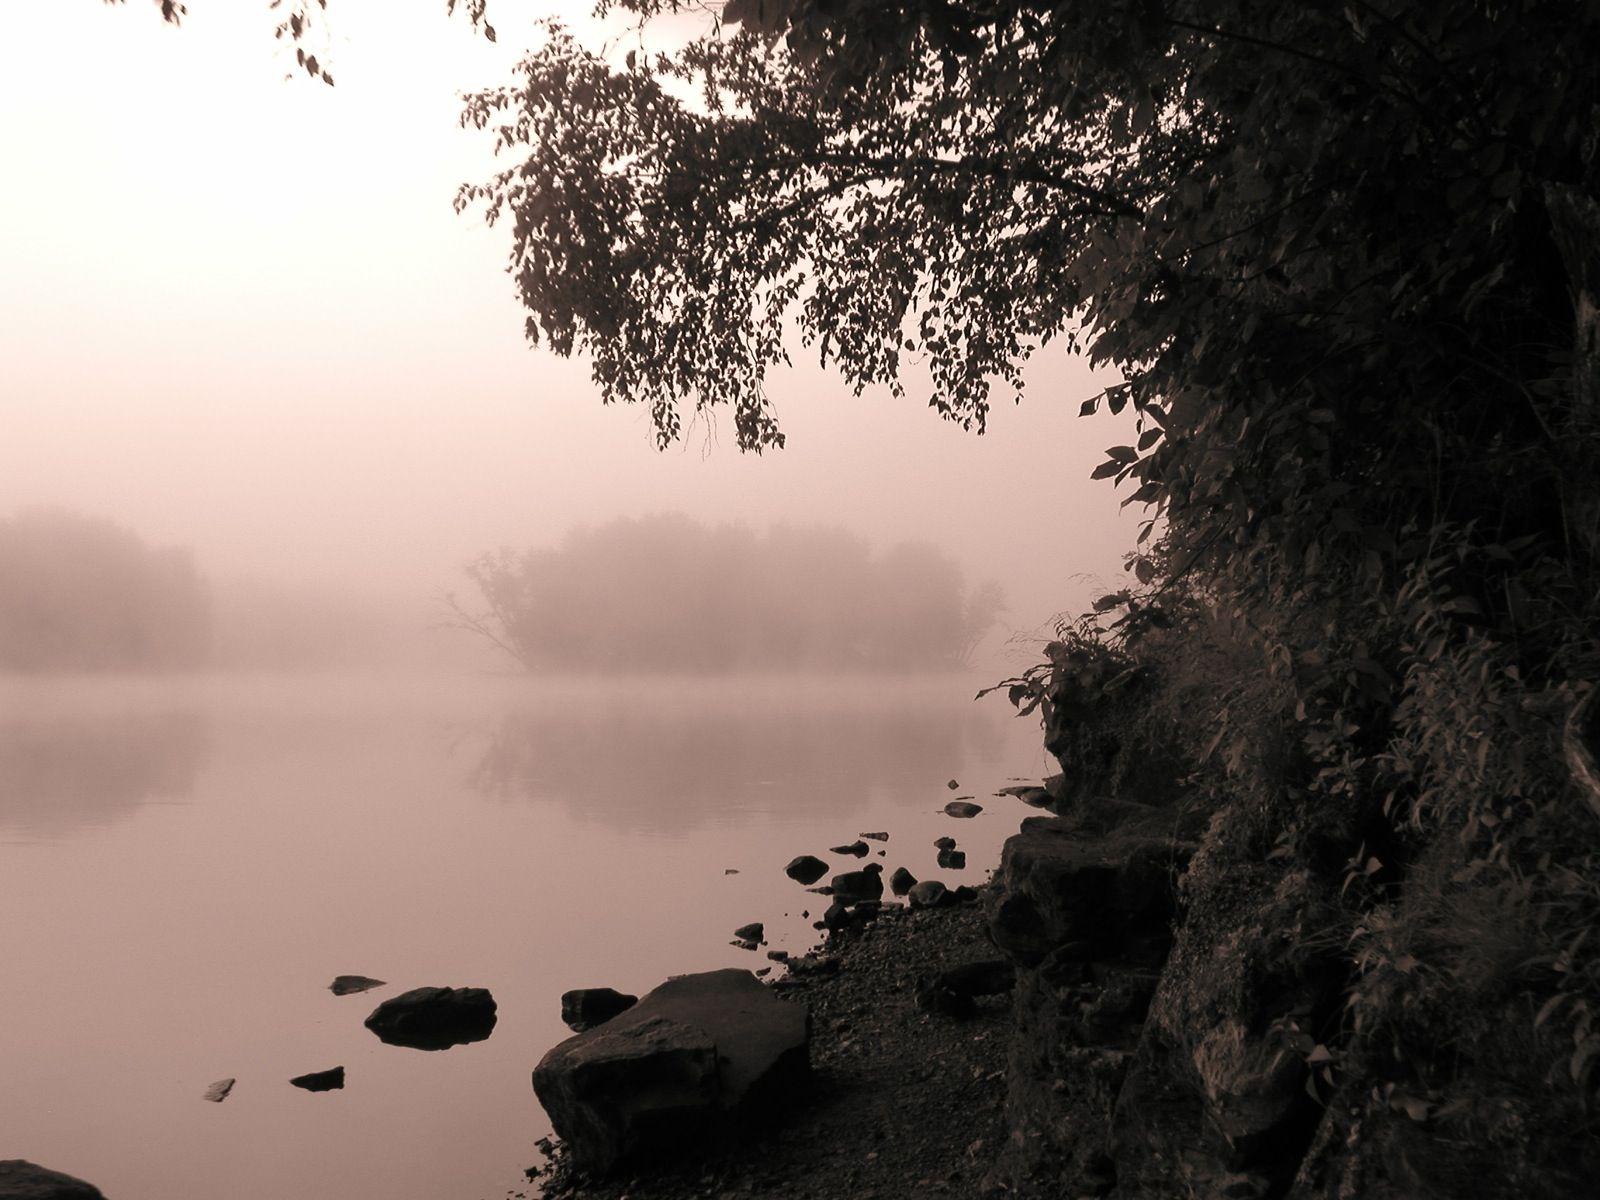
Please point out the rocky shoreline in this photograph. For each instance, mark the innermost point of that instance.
(1165, 1023)
(905, 1096)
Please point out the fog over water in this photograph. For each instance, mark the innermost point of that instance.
(238, 314)
(264, 400)
(186, 863)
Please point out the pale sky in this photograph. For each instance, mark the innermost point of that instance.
(239, 313)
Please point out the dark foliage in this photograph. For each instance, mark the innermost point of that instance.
(1347, 261)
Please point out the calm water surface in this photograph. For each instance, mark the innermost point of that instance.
(184, 865)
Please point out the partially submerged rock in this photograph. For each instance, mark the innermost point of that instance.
(348, 985)
(902, 881)
(23, 1180)
(807, 869)
(1030, 794)
(584, 1008)
(692, 1065)
(944, 843)
(930, 893)
(858, 848)
(876, 837)
(962, 808)
(953, 860)
(851, 887)
(434, 1018)
(330, 1080)
(814, 964)
(218, 1091)
(753, 932)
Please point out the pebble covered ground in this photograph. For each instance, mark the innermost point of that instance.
(905, 1102)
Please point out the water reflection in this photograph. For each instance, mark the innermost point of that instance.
(61, 774)
(651, 763)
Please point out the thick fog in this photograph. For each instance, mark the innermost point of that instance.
(240, 320)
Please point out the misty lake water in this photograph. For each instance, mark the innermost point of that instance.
(186, 864)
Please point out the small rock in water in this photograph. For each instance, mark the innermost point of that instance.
(852, 887)
(859, 849)
(584, 1008)
(753, 932)
(876, 837)
(434, 1018)
(778, 955)
(808, 868)
(944, 843)
(953, 860)
(930, 893)
(218, 1091)
(23, 1180)
(730, 870)
(321, 1081)
(962, 808)
(952, 785)
(349, 985)
(902, 881)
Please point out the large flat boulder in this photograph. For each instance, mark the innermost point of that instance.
(693, 1064)
(23, 1180)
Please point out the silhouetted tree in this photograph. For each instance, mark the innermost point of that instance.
(667, 593)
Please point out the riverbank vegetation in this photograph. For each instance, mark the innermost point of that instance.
(1346, 260)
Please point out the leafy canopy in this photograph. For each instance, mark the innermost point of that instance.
(1316, 240)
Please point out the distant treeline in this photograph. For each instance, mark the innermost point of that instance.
(82, 593)
(667, 593)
